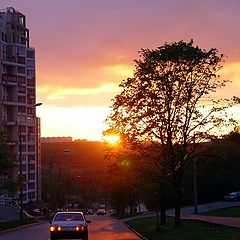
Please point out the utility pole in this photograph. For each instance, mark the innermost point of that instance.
(195, 185)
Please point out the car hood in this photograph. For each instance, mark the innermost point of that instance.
(68, 223)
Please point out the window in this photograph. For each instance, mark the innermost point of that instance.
(21, 20)
(31, 72)
(31, 176)
(31, 101)
(21, 99)
(24, 167)
(21, 50)
(21, 80)
(30, 82)
(23, 138)
(24, 158)
(31, 92)
(31, 111)
(23, 41)
(31, 195)
(21, 60)
(31, 157)
(31, 129)
(21, 70)
(69, 217)
(22, 129)
(31, 186)
(21, 89)
(31, 148)
(31, 167)
(30, 54)
(21, 109)
(30, 63)
(21, 119)
(31, 138)
(23, 148)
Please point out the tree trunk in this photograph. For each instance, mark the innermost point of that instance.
(162, 203)
(178, 201)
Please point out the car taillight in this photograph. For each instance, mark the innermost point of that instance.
(52, 228)
(81, 228)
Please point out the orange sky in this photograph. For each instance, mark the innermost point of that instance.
(84, 48)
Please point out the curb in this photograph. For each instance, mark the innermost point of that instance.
(20, 227)
(137, 233)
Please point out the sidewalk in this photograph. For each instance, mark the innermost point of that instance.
(187, 213)
(227, 221)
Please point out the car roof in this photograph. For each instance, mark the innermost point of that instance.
(68, 212)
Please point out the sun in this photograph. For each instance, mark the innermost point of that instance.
(113, 139)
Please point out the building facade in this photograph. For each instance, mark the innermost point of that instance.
(18, 100)
(55, 139)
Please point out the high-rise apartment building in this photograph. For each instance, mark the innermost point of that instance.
(18, 100)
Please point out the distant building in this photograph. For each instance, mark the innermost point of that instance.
(18, 99)
(55, 139)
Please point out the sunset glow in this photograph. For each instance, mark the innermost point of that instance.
(112, 139)
(84, 49)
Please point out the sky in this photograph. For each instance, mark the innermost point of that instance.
(85, 48)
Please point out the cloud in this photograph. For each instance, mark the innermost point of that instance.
(120, 70)
(231, 71)
(70, 97)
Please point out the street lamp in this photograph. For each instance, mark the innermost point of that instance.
(20, 160)
(195, 185)
(59, 171)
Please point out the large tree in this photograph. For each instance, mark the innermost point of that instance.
(166, 107)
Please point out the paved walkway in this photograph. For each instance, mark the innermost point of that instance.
(187, 213)
(228, 221)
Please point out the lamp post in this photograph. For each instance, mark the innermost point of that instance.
(195, 190)
(20, 161)
(59, 171)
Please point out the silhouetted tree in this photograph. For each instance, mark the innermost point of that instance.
(123, 181)
(166, 104)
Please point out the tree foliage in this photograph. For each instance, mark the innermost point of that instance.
(7, 163)
(166, 104)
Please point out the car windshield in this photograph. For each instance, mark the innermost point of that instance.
(69, 217)
(233, 193)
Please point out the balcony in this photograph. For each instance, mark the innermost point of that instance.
(9, 122)
(9, 79)
(11, 102)
(9, 60)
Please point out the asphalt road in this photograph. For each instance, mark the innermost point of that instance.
(101, 228)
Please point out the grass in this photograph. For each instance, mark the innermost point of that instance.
(189, 230)
(15, 223)
(224, 212)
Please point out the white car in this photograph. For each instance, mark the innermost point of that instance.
(69, 225)
(234, 196)
(101, 211)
